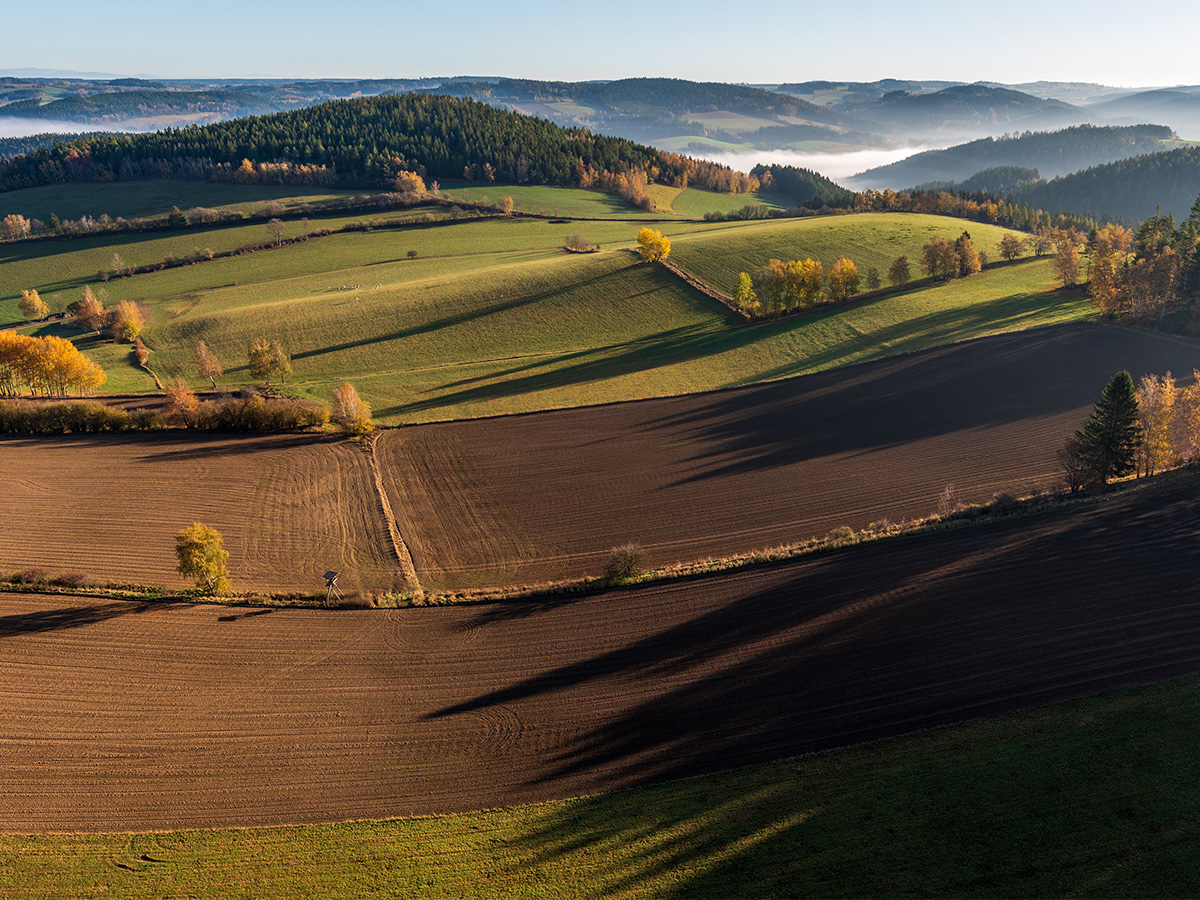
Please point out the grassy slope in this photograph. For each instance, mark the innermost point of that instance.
(693, 202)
(147, 198)
(1088, 798)
(870, 239)
(493, 317)
(551, 201)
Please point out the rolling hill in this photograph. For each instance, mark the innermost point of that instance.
(1052, 153)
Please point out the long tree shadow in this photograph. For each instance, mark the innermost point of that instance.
(668, 349)
(883, 639)
(43, 620)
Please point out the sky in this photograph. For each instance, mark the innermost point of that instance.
(768, 41)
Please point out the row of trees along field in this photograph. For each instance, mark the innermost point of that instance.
(780, 287)
(1149, 274)
(50, 366)
(364, 142)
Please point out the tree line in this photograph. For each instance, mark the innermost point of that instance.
(1151, 274)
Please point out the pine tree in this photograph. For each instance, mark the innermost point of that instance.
(1110, 439)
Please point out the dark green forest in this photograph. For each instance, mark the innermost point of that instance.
(356, 142)
(1052, 153)
(1128, 189)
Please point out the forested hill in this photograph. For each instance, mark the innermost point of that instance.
(358, 142)
(964, 108)
(641, 96)
(1129, 188)
(14, 146)
(126, 105)
(1052, 153)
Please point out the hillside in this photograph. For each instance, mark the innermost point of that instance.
(493, 316)
(972, 109)
(129, 106)
(1130, 188)
(1178, 108)
(362, 141)
(1052, 153)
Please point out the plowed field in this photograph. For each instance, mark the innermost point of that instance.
(289, 508)
(130, 716)
(547, 496)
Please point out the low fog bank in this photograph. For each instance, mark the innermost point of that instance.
(14, 127)
(835, 166)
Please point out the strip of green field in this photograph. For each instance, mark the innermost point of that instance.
(133, 199)
(693, 202)
(870, 239)
(489, 317)
(1088, 798)
(65, 266)
(550, 201)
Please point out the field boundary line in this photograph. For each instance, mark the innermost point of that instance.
(399, 547)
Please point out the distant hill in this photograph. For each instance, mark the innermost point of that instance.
(1052, 153)
(123, 106)
(966, 108)
(1129, 188)
(1178, 108)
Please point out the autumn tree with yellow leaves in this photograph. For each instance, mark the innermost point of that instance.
(33, 306)
(843, 279)
(653, 245)
(48, 366)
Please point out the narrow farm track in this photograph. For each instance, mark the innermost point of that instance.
(118, 716)
(547, 496)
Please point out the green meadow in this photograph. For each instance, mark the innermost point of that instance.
(1091, 798)
(459, 319)
(134, 199)
(870, 239)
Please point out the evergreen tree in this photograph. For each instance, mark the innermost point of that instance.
(1109, 440)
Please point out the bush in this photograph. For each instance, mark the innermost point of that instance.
(626, 563)
(69, 580)
(76, 417)
(34, 575)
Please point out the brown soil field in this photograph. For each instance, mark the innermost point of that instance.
(546, 496)
(118, 715)
(289, 508)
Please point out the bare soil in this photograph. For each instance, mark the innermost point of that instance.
(117, 715)
(289, 508)
(542, 497)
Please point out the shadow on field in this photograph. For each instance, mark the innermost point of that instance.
(673, 348)
(876, 640)
(481, 312)
(986, 383)
(1019, 808)
(43, 620)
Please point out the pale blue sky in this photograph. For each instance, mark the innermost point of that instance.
(770, 41)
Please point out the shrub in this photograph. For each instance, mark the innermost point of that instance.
(625, 564)
(69, 580)
(34, 575)
(1004, 502)
(949, 501)
(840, 536)
(76, 417)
